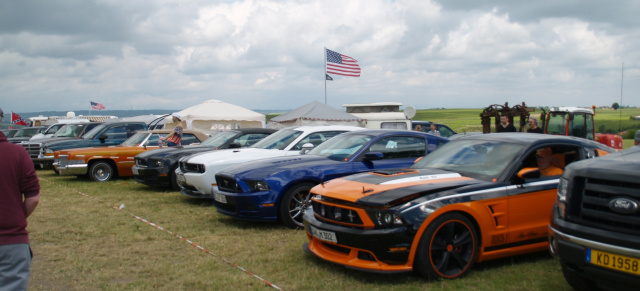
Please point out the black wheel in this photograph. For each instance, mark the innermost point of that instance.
(448, 247)
(174, 179)
(576, 281)
(293, 205)
(101, 171)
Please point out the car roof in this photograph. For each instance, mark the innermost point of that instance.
(255, 130)
(528, 138)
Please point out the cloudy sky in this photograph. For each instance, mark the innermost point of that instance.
(269, 55)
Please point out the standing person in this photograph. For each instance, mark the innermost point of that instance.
(533, 125)
(434, 130)
(505, 126)
(19, 196)
(174, 138)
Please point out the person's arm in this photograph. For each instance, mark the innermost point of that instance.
(30, 205)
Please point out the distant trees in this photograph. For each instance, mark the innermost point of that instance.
(615, 105)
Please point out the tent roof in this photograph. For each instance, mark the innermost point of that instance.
(218, 110)
(316, 111)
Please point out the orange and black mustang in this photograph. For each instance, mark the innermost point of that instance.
(476, 198)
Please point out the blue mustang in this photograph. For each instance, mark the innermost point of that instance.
(278, 188)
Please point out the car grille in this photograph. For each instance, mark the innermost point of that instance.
(590, 204)
(62, 160)
(336, 214)
(191, 168)
(227, 184)
(33, 149)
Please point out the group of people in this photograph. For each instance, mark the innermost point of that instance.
(434, 129)
(506, 126)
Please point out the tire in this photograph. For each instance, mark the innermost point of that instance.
(293, 205)
(174, 180)
(448, 248)
(101, 171)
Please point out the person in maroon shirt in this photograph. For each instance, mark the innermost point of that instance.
(19, 196)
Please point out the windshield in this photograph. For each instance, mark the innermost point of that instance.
(557, 123)
(53, 129)
(279, 140)
(69, 130)
(341, 147)
(479, 159)
(92, 133)
(137, 139)
(27, 132)
(219, 139)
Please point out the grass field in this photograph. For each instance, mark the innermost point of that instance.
(121, 235)
(83, 240)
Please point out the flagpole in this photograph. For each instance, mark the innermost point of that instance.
(325, 76)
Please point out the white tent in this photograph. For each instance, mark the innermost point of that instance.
(315, 113)
(215, 115)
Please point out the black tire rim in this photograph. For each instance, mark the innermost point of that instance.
(452, 249)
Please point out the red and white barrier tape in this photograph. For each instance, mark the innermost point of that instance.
(121, 208)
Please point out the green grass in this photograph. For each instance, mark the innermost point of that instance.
(83, 242)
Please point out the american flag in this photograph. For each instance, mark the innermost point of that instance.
(340, 64)
(96, 106)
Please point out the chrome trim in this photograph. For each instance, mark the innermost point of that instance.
(596, 245)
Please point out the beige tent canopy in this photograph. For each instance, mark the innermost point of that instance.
(315, 113)
(214, 115)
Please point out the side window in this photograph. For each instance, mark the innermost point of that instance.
(316, 138)
(249, 139)
(117, 132)
(589, 127)
(551, 160)
(153, 139)
(132, 128)
(445, 131)
(400, 147)
(577, 126)
(189, 138)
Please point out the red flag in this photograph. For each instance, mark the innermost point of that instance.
(339, 64)
(17, 120)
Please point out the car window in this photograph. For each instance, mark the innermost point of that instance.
(445, 131)
(250, 139)
(187, 139)
(132, 128)
(279, 140)
(549, 160)
(117, 132)
(400, 147)
(316, 138)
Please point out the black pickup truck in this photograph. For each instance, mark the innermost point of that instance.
(595, 222)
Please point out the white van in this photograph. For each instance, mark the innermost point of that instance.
(382, 115)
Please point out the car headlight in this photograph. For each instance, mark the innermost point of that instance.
(385, 218)
(158, 163)
(47, 151)
(562, 190)
(258, 186)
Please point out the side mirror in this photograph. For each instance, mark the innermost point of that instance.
(234, 145)
(529, 173)
(103, 136)
(306, 148)
(372, 156)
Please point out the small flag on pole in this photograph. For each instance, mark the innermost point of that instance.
(329, 77)
(340, 64)
(17, 120)
(97, 106)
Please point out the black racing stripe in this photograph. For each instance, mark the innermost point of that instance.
(516, 244)
(382, 176)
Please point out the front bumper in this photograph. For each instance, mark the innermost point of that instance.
(156, 176)
(249, 206)
(373, 250)
(571, 252)
(72, 170)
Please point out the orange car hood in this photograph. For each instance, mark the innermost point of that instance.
(382, 187)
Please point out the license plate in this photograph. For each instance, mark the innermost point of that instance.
(181, 179)
(220, 198)
(323, 234)
(135, 171)
(613, 261)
